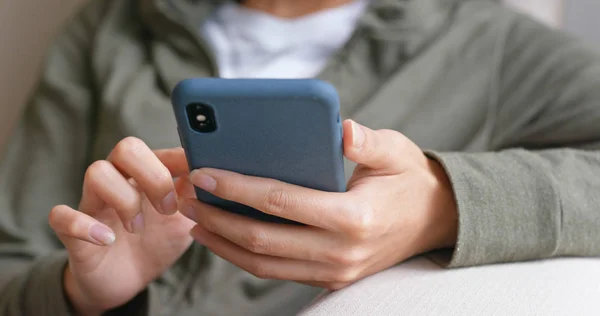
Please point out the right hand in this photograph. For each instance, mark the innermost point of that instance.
(127, 231)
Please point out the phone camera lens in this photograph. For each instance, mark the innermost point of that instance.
(201, 118)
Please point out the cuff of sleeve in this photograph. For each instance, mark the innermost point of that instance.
(43, 293)
(506, 208)
(139, 306)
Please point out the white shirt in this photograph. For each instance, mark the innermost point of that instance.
(253, 44)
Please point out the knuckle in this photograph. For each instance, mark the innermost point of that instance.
(128, 146)
(256, 241)
(362, 223)
(275, 201)
(350, 257)
(348, 275)
(131, 204)
(96, 171)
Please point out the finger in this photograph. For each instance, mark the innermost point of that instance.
(132, 157)
(264, 267)
(327, 210)
(184, 188)
(76, 228)
(175, 161)
(104, 185)
(285, 241)
(381, 149)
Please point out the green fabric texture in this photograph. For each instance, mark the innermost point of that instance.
(509, 107)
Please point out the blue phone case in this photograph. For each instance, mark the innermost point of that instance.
(284, 129)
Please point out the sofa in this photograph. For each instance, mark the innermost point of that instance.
(568, 286)
(27, 28)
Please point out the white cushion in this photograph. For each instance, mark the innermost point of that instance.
(420, 287)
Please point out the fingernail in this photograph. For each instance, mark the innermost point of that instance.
(102, 234)
(137, 224)
(169, 203)
(358, 135)
(203, 180)
(189, 212)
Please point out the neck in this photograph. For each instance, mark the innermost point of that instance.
(293, 8)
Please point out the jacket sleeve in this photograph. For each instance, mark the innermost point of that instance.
(43, 166)
(537, 193)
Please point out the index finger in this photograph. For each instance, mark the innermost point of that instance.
(134, 159)
(328, 210)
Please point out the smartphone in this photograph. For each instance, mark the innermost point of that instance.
(284, 129)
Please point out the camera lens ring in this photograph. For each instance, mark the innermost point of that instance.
(201, 117)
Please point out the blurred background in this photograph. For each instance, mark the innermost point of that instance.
(28, 26)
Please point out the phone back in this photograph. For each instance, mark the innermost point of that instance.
(284, 129)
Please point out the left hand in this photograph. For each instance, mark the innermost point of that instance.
(399, 204)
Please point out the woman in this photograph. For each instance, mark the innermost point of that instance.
(508, 108)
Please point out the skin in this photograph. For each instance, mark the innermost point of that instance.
(292, 9)
(112, 254)
(399, 204)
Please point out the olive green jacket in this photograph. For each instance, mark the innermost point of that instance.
(509, 107)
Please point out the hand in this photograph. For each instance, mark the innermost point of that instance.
(127, 231)
(398, 204)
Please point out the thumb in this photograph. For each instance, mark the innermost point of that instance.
(374, 149)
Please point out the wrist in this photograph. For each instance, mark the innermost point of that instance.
(445, 214)
(75, 297)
